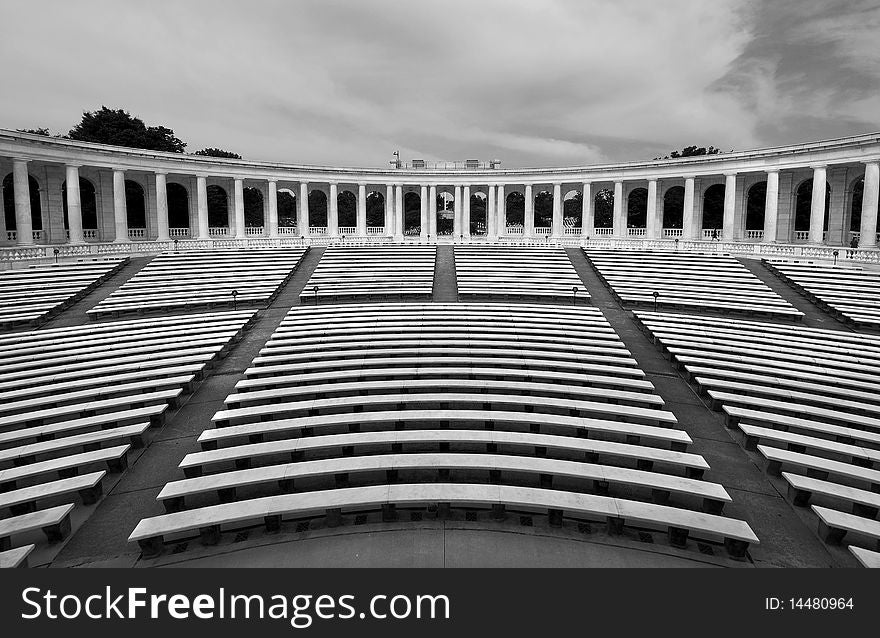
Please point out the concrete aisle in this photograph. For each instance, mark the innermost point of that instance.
(786, 536)
(102, 540)
(814, 317)
(445, 286)
(76, 315)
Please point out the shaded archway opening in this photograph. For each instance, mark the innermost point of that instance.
(412, 214)
(803, 204)
(253, 208)
(603, 209)
(346, 209)
(317, 209)
(673, 207)
(515, 209)
(286, 209)
(572, 209)
(755, 201)
(135, 205)
(544, 209)
(637, 208)
(218, 207)
(445, 213)
(477, 223)
(88, 202)
(178, 205)
(9, 203)
(713, 208)
(375, 210)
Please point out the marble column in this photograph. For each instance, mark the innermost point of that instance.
(529, 212)
(24, 229)
(817, 206)
(556, 230)
(587, 210)
(501, 212)
(490, 214)
(619, 218)
(238, 207)
(202, 208)
(689, 224)
(120, 212)
(771, 207)
(362, 210)
(432, 211)
(398, 211)
(870, 195)
(389, 210)
(727, 225)
(423, 218)
(456, 228)
(652, 223)
(74, 205)
(273, 208)
(466, 211)
(302, 210)
(333, 211)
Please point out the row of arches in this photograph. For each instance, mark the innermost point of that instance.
(220, 209)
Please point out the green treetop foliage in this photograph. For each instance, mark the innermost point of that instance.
(109, 126)
(217, 152)
(34, 131)
(691, 151)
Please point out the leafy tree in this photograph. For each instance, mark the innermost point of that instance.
(34, 131)
(217, 152)
(691, 151)
(109, 126)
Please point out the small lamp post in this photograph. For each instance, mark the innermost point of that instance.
(175, 243)
(656, 295)
(234, 303)
(56, 251)
(676, 244)
(574, 295)
(835, 253)
(315, 290)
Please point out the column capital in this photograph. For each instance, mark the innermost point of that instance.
(202, 175)
(19, 160)
(772, 170)
(272, 180)
(73, 165)
(868, 162)
(730, 174)
(653, 179)
(818, 166)
(160, 172)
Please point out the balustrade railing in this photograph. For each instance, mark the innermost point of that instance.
(542, 230)
(253, 231)
(375, 230)
(348, 231)
(672, 233)
(218, 231)
(287, 230)
(572, 230)
(755, 234)
(514, 230)
(317, 230)
(602, 232)
(636, 232)
(137, 233)
(178, 232)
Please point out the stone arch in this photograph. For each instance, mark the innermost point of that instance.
(445, 212)
(543, 209)
(673, 207)
(317, 209)
(88, 202)
(218, 206)
(515, 209)
(478, 219)
(603, 209)
(375, 209)
(412, 213)
(346, 209)
(713, 208)
(858, 191)
(286, 208)
(637, 208)
(756, 198)
(178, 205)
(253, 207)
(803, 203)
(572, 208)
(135, 204)
(9, 202)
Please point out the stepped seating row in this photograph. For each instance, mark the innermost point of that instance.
(517, 274)
(75, 402)
(852, 295)
(203, 280)
(533, 408)
(372, 273)
(717, 283)
(30, 296)
(804, 399)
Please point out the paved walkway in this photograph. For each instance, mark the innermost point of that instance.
(76, 315)
(814, 317)
(445, 285)
(101, 541)
(786, 537)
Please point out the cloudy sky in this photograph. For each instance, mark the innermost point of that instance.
(530, 82)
